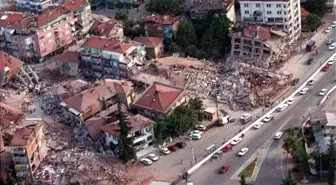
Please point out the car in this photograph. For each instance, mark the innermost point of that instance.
(258, 125)
(196, 132)
(165, 151)
(310, 61)
(268, 118)
(311, 82)
(195, 136)
(333, 25)
(290, 101)
(173, 148)
(269, 104)
(146, 161)
(332, 46)
(153, 157)
(246, 117)
(181, 144)
(323, 92)
(227, 148)
(278, 135)
(282, 107)
(295, 81)
(328, 29)
(329, 41)
(243, 151)
(217, 155)
(200, 127)
(326, 68)
(331, 62)
(236, 141)
(334, 22)
(223, 169)
(304, 91)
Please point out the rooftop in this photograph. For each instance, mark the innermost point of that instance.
(158, 19)
(158, 97)
(9, 62)
(257, 32)
(68, 56)
(93, 127)
(318, 117)
(120, 86)
(218, 5)
(103, 28)
(107, 44)
(304, 13)
(149, 42)
(9, 114)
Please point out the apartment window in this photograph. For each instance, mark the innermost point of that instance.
(269, 12)
(258, 5)
(278, 5)
(285, 13)
(247, 12)
(279, 12)
(268, 5)
(245, 5)
(284, 6)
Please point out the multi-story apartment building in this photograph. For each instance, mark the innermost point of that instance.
(9, 66)
(102, 57)
(33, 6)
(160, 26)
(36, 36)
(281, 14)
(28, 149)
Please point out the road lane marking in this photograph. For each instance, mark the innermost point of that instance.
(306, 98)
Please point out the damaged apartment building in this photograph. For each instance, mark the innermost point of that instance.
(259, 46)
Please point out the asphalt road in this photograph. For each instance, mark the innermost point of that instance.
(254, 139)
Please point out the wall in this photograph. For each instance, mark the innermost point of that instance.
(231, 14)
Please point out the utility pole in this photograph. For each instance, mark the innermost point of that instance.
(192, 152)
(321, 166)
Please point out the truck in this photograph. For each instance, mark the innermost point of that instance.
(224, 120)
(311, 45)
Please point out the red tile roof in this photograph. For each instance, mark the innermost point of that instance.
(164, 20)
(68, 56)
(107, 44)
(304, 13)
(158, 97)
(120, 86)
(93, 127)
(112, 129)
(21, 137)
(149, 42)
(9, 61)
(256, 31)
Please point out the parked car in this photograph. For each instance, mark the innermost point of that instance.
(173, 148)
(245, 118)
(290, 101)
(333, 25)
(196, 132)
(295, 81)
(278, 135)
(258, 125)
(243, 151)
(310, 61)
(304, 91)
(282, 107)
(217, 155)
(225, 119)
(195, 136)
(153, 157)
(331, 62)
(223, 169)
(311, 82)
(146, 161)
(323, 92)
(165, 151)
(181, 144)
(227, 148)
(329, 41)
(332, 46)
(326, 68)
(236, 141)
(328, 29)
(269, 103)
(268, 118)
(201, 127)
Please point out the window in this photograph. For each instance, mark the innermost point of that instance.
(245, 5)
(278, 5)
(258, 5)
(285, 13)
(279, 12)
(269, 12)
(284, 6)
(268, 5)
(247, 12)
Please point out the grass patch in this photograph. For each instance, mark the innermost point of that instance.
(248, 170)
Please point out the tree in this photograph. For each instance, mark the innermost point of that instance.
(185, 35)
(207, 41)
(174, 7)
(332, 161)
(301, 157)
(243, 181)
(121, 16)
(174, 48)
(220, 30)
(317, 7)
(313, 22)
(290, 143)
(125, 143)
(288, 181)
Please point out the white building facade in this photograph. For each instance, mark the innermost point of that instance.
(280, 14)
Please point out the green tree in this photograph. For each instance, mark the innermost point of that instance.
(174, 7)
(332, 161)
(301, 157)
(207, 41)
(127, 152)
(317, 7)
(185, 35)
(290, 143)
(174, 48)
(243, 181)
(121, 16)
(288, 181)
(313, 22)
(221, 29)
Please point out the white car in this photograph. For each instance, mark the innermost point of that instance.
(332, 46)
(290, 101)
(311, 82)
(153, 157)
(333, 25)
(268, 118)
(258, 125)
(323, 92)
(195, 136)
(196, 132)
(165, 151)
(245, 116)
(328, 29)
(278, 135)
(331, 62)
(334, 22)
(200, 127)
(243, 151)
(146, 161)
(282, 107)
(304, 91)
(236, 141)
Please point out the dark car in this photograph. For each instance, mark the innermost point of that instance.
(223, 169)
(295, 81)
(181, 144)
(268, 104)
(173, 148)
(310, 61)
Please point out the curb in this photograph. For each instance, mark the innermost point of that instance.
(255, 167)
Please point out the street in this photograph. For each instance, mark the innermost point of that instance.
(208, 173)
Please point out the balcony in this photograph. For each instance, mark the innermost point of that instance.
(20, 160)
(19, 151)
(142, 137)
(22, 174)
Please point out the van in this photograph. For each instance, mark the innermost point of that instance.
(225, 119)
(245, 118)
